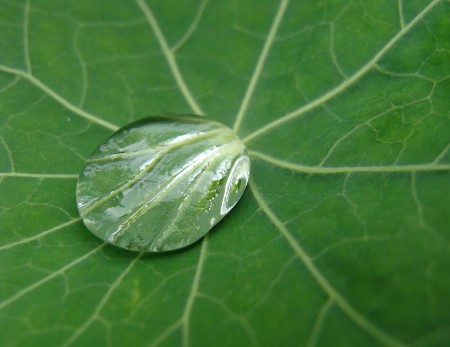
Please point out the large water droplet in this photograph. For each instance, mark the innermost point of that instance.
(162, 183)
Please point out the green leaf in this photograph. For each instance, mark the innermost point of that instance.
(343, 237)
(162, 183)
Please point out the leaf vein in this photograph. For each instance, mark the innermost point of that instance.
(185, 319)
(182, 41)
(102, 303)
(326, 286)
(169, 57)
(37, 175)
(9, 153)
(44, 280)
(260, 64)
(319, 322)
(40, 235)
(400, 14)
(26, 47)
(58, 98)
(346, 83)
(349, 169)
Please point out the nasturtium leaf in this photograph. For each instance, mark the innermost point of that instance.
(342, 236)
(162, 183)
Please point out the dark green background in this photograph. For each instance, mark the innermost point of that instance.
(342, 238)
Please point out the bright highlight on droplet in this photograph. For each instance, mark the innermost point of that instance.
(162, 183)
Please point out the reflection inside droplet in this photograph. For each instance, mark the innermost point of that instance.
(162, 183)
(236, 183)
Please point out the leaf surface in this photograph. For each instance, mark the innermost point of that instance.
(342, 237)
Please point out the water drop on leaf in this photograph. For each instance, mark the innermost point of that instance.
(162, 183)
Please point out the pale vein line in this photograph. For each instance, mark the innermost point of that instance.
(441, 155)
(240, 319)
(197, 180)
(185, 319)
(55, 96)
(165, 334)
(169, 330)
(40, 235)
(181, 42)
(169, 56)
(346, 83)
(155, 289)
(319, 322)
(10, 156)
(349, 169)
(37, 175)
(80, 59)
(103, 302)
(389, 73)
(433, 337)
(188, 138)
(400, 14)
(44, 280)
(354, 315)
(26, 16)
(419, 206)
(10, 84)
(333, 53)
(368, 123)
(188, 168)
(260, 64)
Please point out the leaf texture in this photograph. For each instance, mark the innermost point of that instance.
(342, 238)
